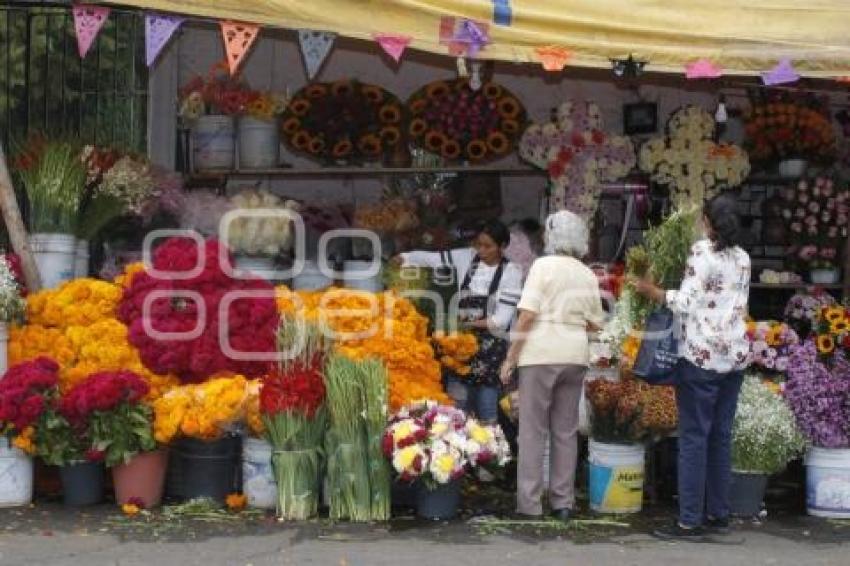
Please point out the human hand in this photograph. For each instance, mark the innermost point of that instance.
(506, 373)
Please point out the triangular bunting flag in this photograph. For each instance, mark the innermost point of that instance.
(703, 69)
(552, 57)
(88, 21)
(238, 39)
(394, 45)
(782, 73)
(315, 46)
(158, 30)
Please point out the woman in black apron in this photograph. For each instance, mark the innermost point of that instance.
(489, 291)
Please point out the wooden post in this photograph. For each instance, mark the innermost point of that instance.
(15, 226)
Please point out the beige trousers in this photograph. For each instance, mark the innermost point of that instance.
(549, 396)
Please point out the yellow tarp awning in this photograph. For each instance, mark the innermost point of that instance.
(742, 36)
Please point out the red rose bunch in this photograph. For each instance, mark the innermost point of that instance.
(25, 393)
(299, 389)
(250, 322)
(102, 391)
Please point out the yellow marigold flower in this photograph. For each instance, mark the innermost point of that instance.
(236, 501)
(130, 509)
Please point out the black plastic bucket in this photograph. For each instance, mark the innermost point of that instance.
(82, 484)
(746, 494)
(205, 469)
(440, 503)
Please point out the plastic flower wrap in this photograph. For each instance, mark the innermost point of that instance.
(203, 411)
(383, 326)
(819, 396)
(817, 214)
(261, 236)
(12, 305)
(689, 162)
(764, 434)
(76, 325)
(251, 322)
(439, 444)
(202, 212)
(579, 156)
(770, 345)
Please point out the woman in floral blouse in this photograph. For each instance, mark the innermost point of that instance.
(712, 306)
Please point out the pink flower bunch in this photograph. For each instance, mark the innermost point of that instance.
(249, 324)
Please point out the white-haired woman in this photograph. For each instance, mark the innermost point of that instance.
(560, 303)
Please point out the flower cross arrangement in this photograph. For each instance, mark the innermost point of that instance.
(818, 214)
(579, 156)
(438, 444)
(690, 162)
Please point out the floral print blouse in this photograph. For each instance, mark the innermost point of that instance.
(712, 306)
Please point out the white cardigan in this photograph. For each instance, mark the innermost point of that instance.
(502, 305)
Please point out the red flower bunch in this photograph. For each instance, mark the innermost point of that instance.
(26, 391)
(30, 154)
(102, 391)
(300, 389)
(251, 323)
(17, 270)
(220, 92)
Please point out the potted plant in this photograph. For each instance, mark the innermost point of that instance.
(818, 392)
(25, 393)
(110, 405)
(12, 307)
(436, 446)
(764, 439)
(53, 177)
(624, 415)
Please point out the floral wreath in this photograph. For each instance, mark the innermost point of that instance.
(689, 162)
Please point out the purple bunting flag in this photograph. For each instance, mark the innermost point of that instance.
(158, 30)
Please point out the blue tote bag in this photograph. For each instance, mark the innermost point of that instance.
(659, 349)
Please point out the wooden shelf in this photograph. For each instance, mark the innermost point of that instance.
(362, 171)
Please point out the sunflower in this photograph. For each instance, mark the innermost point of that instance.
(509, 108)
(390, 135)
(317, 91)
(510, 127)
(437, 90)
(498, 142)
(839, 326)
(300, 106)
(370, 144)
(291, 125)
(434, 141)
(418, 127)
(834, 313)
(373, 94)
(476, 150)
(301, 140)
(451, 149)
(342, 148)
(492, 91)
(418, 106)
(390, 114)
(317, 146)
(342, 88)
(826, 344)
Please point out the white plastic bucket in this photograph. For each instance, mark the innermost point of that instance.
(311, 279)
(258, 483)
(213, 140)
(828, 482)
(259, 266)
(54, 256)
(792, 168)
(616, 477)
(15, 476)
(4, 349)
(259, 145)
(356, 276)
(81, 259)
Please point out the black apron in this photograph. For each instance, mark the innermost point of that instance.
(485, 364)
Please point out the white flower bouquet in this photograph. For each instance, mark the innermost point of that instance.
(764, 434)
(265, 236)
(12, 305)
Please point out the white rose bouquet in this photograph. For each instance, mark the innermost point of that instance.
(261, 235)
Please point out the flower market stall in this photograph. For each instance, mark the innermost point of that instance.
(220, 318)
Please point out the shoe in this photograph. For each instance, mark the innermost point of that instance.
(717, 526)
(677, 532)
(563, 515)
(517, 516)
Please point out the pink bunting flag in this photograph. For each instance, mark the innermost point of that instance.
(88, 21)
(703, 69)
(158, 30)
(394, 45)
(782, 73)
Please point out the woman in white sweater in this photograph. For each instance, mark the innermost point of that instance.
(490, 287)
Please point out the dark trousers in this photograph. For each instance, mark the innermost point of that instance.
(707, 401)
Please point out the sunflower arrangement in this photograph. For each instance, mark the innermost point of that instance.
(832, 331)
(343, 121)
(450, 119)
